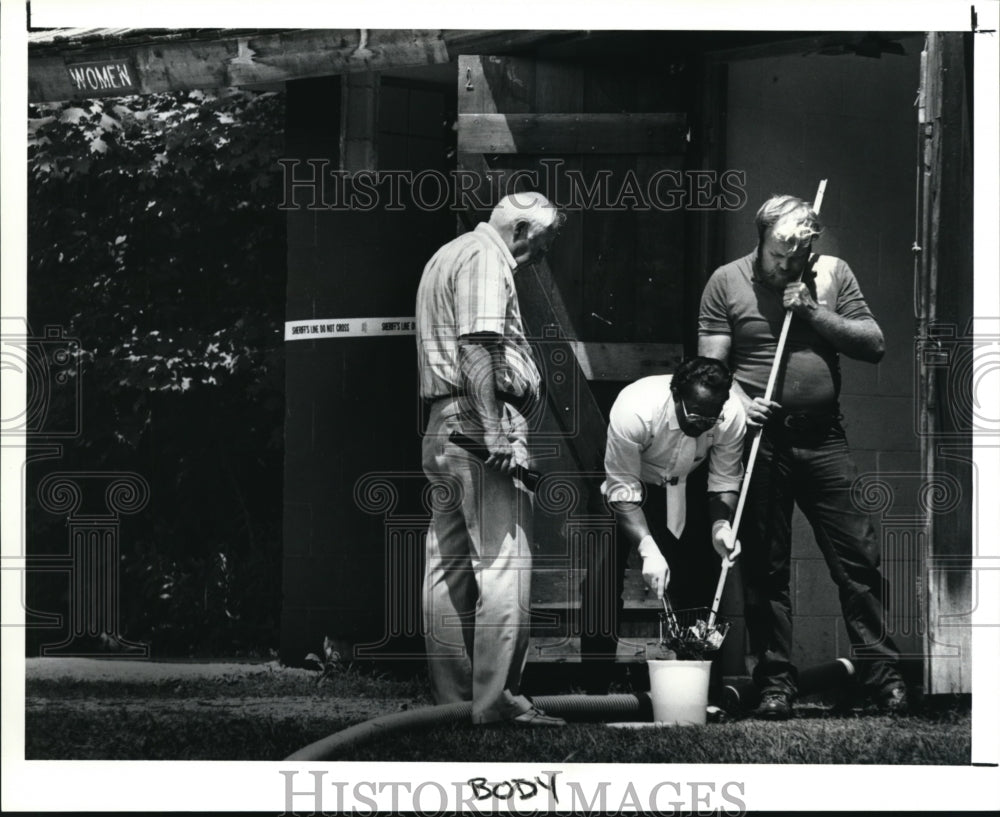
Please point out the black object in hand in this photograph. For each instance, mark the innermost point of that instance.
(529, 477)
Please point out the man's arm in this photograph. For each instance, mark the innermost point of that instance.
(725, 474)
(721, 507)
(858, 338)
(716, 346)
(478, 357)
(627, 434)
(655, 571)
(757, 410)
(632, 520)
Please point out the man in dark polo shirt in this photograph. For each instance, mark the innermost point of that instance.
(803, 456)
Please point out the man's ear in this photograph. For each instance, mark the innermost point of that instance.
(521, 229)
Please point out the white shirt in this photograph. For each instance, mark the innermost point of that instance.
(647, 445)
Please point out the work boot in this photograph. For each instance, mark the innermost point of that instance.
(775, 705)
(893, 699)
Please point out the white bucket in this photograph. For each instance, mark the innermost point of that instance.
(679, 690)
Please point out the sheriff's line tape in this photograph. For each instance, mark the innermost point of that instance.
(316, 328)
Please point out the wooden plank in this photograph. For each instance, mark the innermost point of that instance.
(609, 234)
(560, 133)
(558, 650)
(570, 402)
(240, 61)
(492, 85)
(771, 46)
(559, 87)
(948, 638)
(491, 41)
(609, 255)
(660, 274)
(705, 250)
(558, 588)
(625, 362)
(359, 95)
(945, 417)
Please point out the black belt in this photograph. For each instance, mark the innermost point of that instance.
(811, 421)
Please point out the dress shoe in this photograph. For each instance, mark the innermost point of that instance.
(774, 706)
(536, 717)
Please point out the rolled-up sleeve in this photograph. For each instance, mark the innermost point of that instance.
(627, 435)
(725, 463)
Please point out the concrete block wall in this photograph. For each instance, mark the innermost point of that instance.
(793, 120)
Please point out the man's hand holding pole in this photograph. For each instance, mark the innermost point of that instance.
(724, 541)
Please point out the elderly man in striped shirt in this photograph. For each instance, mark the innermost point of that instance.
(478, 377)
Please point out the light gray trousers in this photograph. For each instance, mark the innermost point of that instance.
(477, 580)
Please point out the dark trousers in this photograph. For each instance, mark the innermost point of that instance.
(813, 469)
(694, 568)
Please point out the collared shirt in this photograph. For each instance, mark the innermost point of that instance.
(647, 445)
(467, 288)
(734, 303)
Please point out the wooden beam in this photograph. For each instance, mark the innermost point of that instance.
(490, 41)
(561, 133)
(828, 43)
(625, 362)
(240, 60)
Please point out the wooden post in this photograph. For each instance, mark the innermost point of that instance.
(359, 121)
(944, 348)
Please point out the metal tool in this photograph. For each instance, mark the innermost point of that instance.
(687, 633)
(755, 446)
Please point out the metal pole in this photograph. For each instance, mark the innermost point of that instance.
(755, 445)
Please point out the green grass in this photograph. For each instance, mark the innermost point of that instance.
(861, 740)
(267, 716)
(64, 734)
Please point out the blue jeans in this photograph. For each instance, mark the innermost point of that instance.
(812, 468)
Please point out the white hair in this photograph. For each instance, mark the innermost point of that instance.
(529, 206)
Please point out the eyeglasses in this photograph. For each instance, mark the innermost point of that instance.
(698, 419)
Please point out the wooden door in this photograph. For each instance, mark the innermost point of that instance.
(606, 144)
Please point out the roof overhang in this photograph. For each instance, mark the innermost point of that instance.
(81, 63)
(69, 63)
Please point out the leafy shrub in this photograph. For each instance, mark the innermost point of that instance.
(155, 240)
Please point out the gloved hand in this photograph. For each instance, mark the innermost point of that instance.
(655, 571)
(722, 541)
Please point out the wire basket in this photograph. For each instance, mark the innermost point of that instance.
(686, 632)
